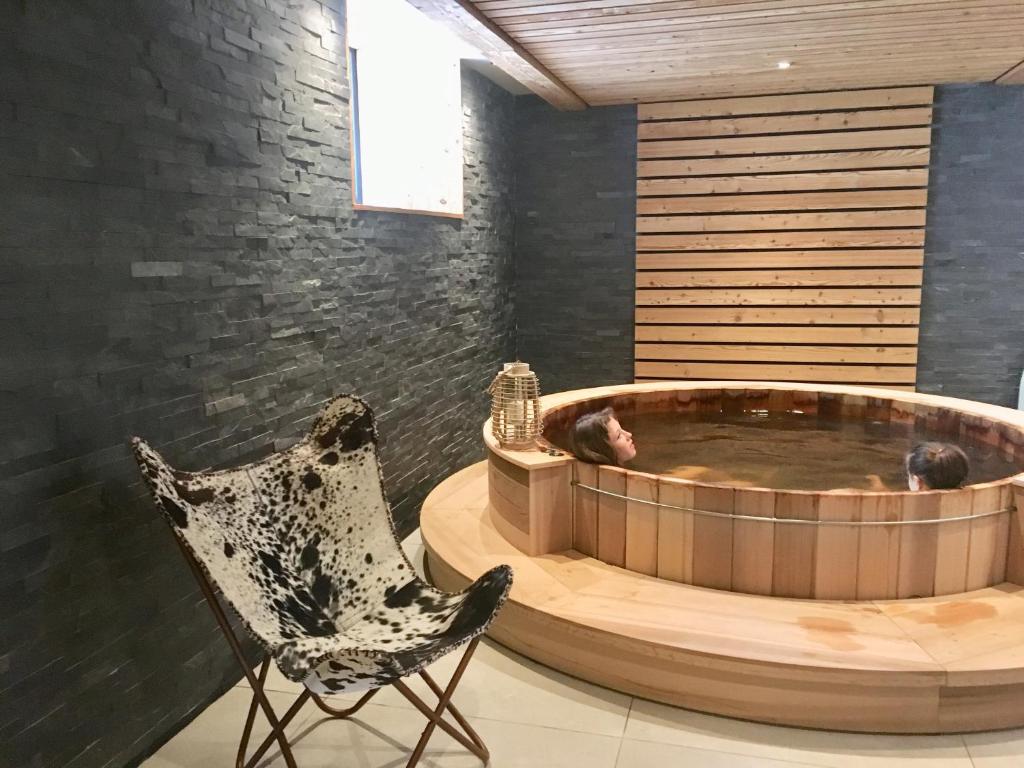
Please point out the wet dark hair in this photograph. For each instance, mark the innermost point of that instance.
(939, 465)
(590, 437)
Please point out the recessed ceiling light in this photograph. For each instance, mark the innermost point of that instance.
(785, 64)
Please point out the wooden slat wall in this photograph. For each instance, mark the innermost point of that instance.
(781, 237)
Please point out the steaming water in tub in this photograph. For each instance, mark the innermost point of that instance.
(789, 450)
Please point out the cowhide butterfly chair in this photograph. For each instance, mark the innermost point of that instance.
(303, 547)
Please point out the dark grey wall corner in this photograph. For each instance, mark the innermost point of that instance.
(575, 243)
(972, 309)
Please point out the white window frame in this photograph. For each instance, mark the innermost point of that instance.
(405, 119)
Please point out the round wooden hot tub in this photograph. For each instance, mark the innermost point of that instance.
(704, 596)
(835, 545)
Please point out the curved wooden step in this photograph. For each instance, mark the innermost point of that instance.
(932, 665)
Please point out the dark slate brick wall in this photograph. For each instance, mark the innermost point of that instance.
(179, 259)
(972, 309)
(575, 243)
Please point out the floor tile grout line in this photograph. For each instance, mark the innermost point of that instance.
(967, 749)
(618, 753)
(622, 736)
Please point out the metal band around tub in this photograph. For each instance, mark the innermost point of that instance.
(795, 521)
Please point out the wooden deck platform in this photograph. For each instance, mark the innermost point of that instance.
(931, 665)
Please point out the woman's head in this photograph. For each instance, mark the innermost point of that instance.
(936, 466)
(600, 439)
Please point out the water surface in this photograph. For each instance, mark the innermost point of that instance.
(789, 450)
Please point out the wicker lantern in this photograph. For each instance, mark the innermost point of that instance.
(515, 406)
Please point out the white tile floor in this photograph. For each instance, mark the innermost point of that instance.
(531, 716)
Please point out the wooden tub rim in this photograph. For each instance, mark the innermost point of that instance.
(537, 457)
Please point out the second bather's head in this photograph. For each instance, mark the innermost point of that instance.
(936, 466)
(600, 439)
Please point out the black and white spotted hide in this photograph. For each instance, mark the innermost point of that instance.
(303, 547)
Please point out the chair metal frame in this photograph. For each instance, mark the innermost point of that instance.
(467, 737)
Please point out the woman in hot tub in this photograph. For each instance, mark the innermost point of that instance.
(599, 439)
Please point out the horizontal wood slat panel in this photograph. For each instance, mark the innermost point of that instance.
(804, 278)
(642, 51)
(541, 10)
(802, 102)
(810, 161)
(744, 126)
(502, 9)
(789, 244)
(778, 296)
(646, 379)
(556, 18)
(747, 353)
(757, 23)
(726, 222)
(647, 48)
(833, 238)
(634, 64)
(786, 143)
(725, 33)
(895, 257)
(780, 315)
(785, 182)
(775, 334)
(851, 374)
(785, 201)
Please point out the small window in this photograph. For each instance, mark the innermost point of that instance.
(406, 109)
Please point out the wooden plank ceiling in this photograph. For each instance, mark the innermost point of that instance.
(781, 237)
(623, 51)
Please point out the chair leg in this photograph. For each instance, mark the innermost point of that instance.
(343, 714)
(456, 714)
(277, 732)
(473, 743)
(259, 697)
(253, 705)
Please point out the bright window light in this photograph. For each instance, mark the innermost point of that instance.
(406, 108)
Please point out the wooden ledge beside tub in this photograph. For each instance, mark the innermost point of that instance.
(899, 664)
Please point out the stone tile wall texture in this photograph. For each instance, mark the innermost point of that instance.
(179, 259)
(575, 243)
(972, 309)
